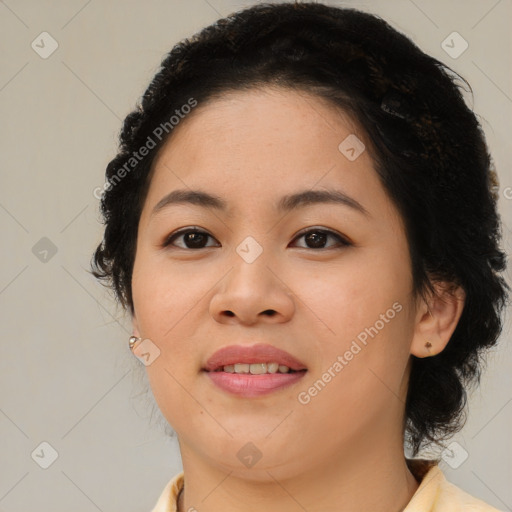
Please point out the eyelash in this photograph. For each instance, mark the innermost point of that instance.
(341, 240)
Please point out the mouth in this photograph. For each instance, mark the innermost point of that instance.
(248, 385)
(254, 359)
(251, 371)
(256, 368)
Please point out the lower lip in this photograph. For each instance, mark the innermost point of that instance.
(248, 385)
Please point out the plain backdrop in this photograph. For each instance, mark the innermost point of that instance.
(67, 377)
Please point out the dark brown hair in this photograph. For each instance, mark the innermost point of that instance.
(427, 145)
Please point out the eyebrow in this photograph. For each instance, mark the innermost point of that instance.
(286, 203)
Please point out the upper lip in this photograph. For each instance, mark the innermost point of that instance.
(260, 353)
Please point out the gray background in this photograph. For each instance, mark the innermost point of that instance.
(67, 377)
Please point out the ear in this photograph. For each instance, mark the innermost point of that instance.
(135, 326)
(436, 320)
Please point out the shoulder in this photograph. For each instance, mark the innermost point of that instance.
(437, 494)
(434, 494)
(456, 498)
(167, 500)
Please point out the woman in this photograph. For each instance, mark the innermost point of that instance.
(301, 221)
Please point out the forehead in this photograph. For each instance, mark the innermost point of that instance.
(273, 116)
(265, 144)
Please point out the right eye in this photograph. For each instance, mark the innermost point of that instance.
(192, 238)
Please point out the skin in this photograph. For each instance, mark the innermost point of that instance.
(343, 450)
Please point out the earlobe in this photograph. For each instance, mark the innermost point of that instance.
(437, 320)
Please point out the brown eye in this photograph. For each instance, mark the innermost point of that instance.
(198, 239)
(192, 239)
(317, 238)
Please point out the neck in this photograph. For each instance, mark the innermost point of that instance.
(354, 480)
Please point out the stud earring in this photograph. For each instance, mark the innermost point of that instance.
(132, 341)
(428, 346)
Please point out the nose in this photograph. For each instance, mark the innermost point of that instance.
(251, 293)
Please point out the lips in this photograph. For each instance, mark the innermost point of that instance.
(260, 353)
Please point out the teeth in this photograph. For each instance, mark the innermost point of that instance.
(256, 368)
(273, 367)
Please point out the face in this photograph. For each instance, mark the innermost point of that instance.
(326, 281)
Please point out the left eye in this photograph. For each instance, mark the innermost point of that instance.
(317, 238)
(195, 238)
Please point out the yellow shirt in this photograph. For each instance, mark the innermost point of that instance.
(435, 493)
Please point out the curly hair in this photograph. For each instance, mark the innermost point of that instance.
(427, 146)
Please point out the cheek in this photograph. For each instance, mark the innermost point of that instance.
(358, 384)
(346, 297)
(360, 311)
(165, 296)
(167, 305)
